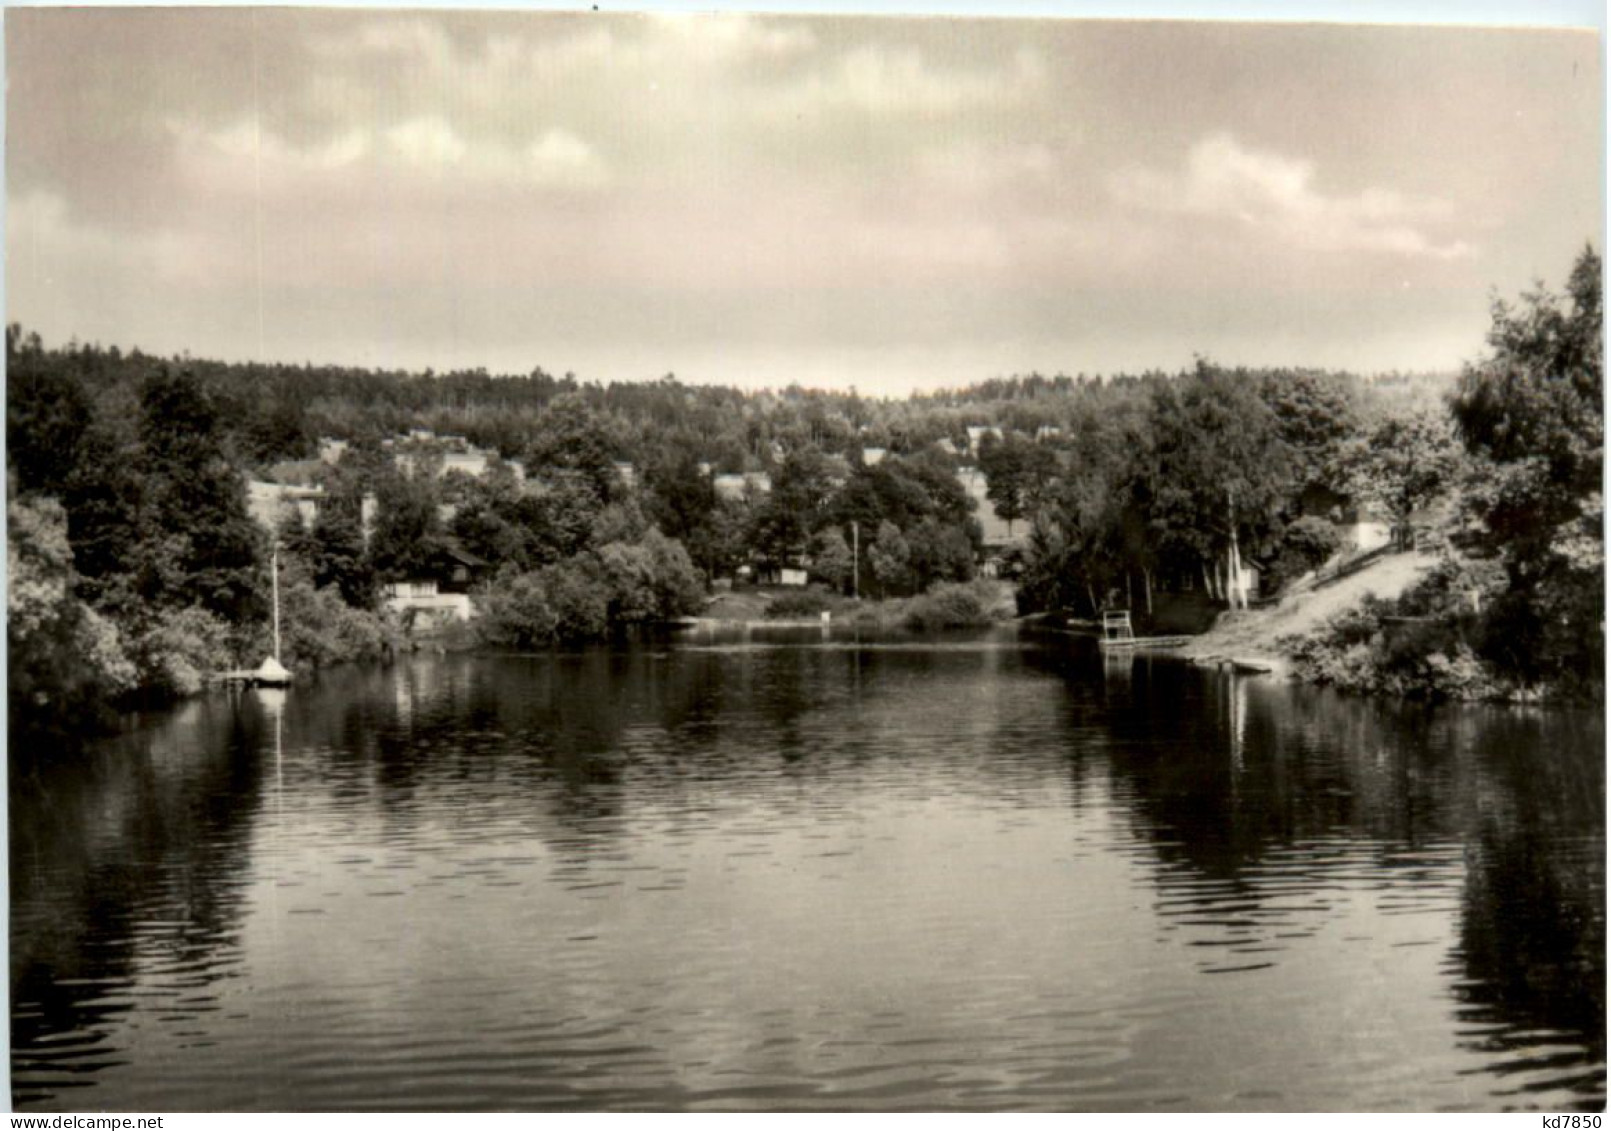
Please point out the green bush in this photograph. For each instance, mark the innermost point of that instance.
(946, 606)
(64, 658)
(577, 593)
(628, 575)
(178, 649)
(516, 613)
(585, 596)
(806, 604)
(1365, 650)
(318, 629)
(679, 589)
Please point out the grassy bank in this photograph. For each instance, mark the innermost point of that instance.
(971, 604)
(1412, 625)
(1269, 634)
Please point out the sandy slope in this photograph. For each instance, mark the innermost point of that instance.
(1253, 634)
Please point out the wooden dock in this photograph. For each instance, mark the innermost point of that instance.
(270, 674)
(1118, 635)
(1130, 643)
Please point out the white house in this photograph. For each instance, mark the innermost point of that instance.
(735, 487)
(424, 600)
(1365, 529)
(270, 503)
(977, 433)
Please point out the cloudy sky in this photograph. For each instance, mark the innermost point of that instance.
(884, 203)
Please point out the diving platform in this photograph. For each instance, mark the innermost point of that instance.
(1119, 635)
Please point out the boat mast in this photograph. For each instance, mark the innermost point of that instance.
(274, 576)
(855, 559)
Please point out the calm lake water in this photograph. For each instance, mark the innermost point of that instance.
(786, 873)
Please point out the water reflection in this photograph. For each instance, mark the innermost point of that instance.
(126, 879)
(813, 873)
(1278, 807)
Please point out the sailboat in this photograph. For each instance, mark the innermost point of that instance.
(272, 673)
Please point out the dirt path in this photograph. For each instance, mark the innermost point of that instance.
(1252, 634)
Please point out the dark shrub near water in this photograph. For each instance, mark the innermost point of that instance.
(806, 604)
(947, 606)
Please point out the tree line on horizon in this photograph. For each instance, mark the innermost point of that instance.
(135, 564)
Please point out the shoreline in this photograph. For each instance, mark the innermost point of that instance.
(1251, 637)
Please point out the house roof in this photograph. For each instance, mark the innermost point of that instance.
(452, 549)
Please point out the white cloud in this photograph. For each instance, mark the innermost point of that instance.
(1267, 193)
(729, 36)
(245, 155)
(429, 141)
(559, 157)
(246, 141)
(972, 169)
(52, 252)
(408, 37)
(892, 81)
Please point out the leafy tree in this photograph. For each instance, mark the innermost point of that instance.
(569, 436)
(680, 500)
(947, 500)
(47, 415)
(337, 547)
(407, 540)
(1047, 580)
(888, 492)
(567, 508)
(103, 497)
(1008, 475)
(198, 542)
(580, 601)
(1093, 516)
(319, 627)
(1533, 408)
(797, 507)
(730, 525)
(938, 553)
(678, 588)
(517, 614)
(174, 649)
(1316, 415)
(628, 575)
(1306, 544)
(63, 658)
(891, 558)
(831, 559)
(620, 521)
(274, 427)
(1404, 464)
(1217, 468)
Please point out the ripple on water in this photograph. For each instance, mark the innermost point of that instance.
(828, 876)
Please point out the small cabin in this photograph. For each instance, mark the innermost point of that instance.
(272, 503)
(1364, 529)
(421, 603)
(735, 488)
(441, 596)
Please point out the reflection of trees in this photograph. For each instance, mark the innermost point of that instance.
(134, 856)
(1250, 792)
(1532, 936)
(1221, 768)
(1251, 802)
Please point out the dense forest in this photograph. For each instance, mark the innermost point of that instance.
(135, 567)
